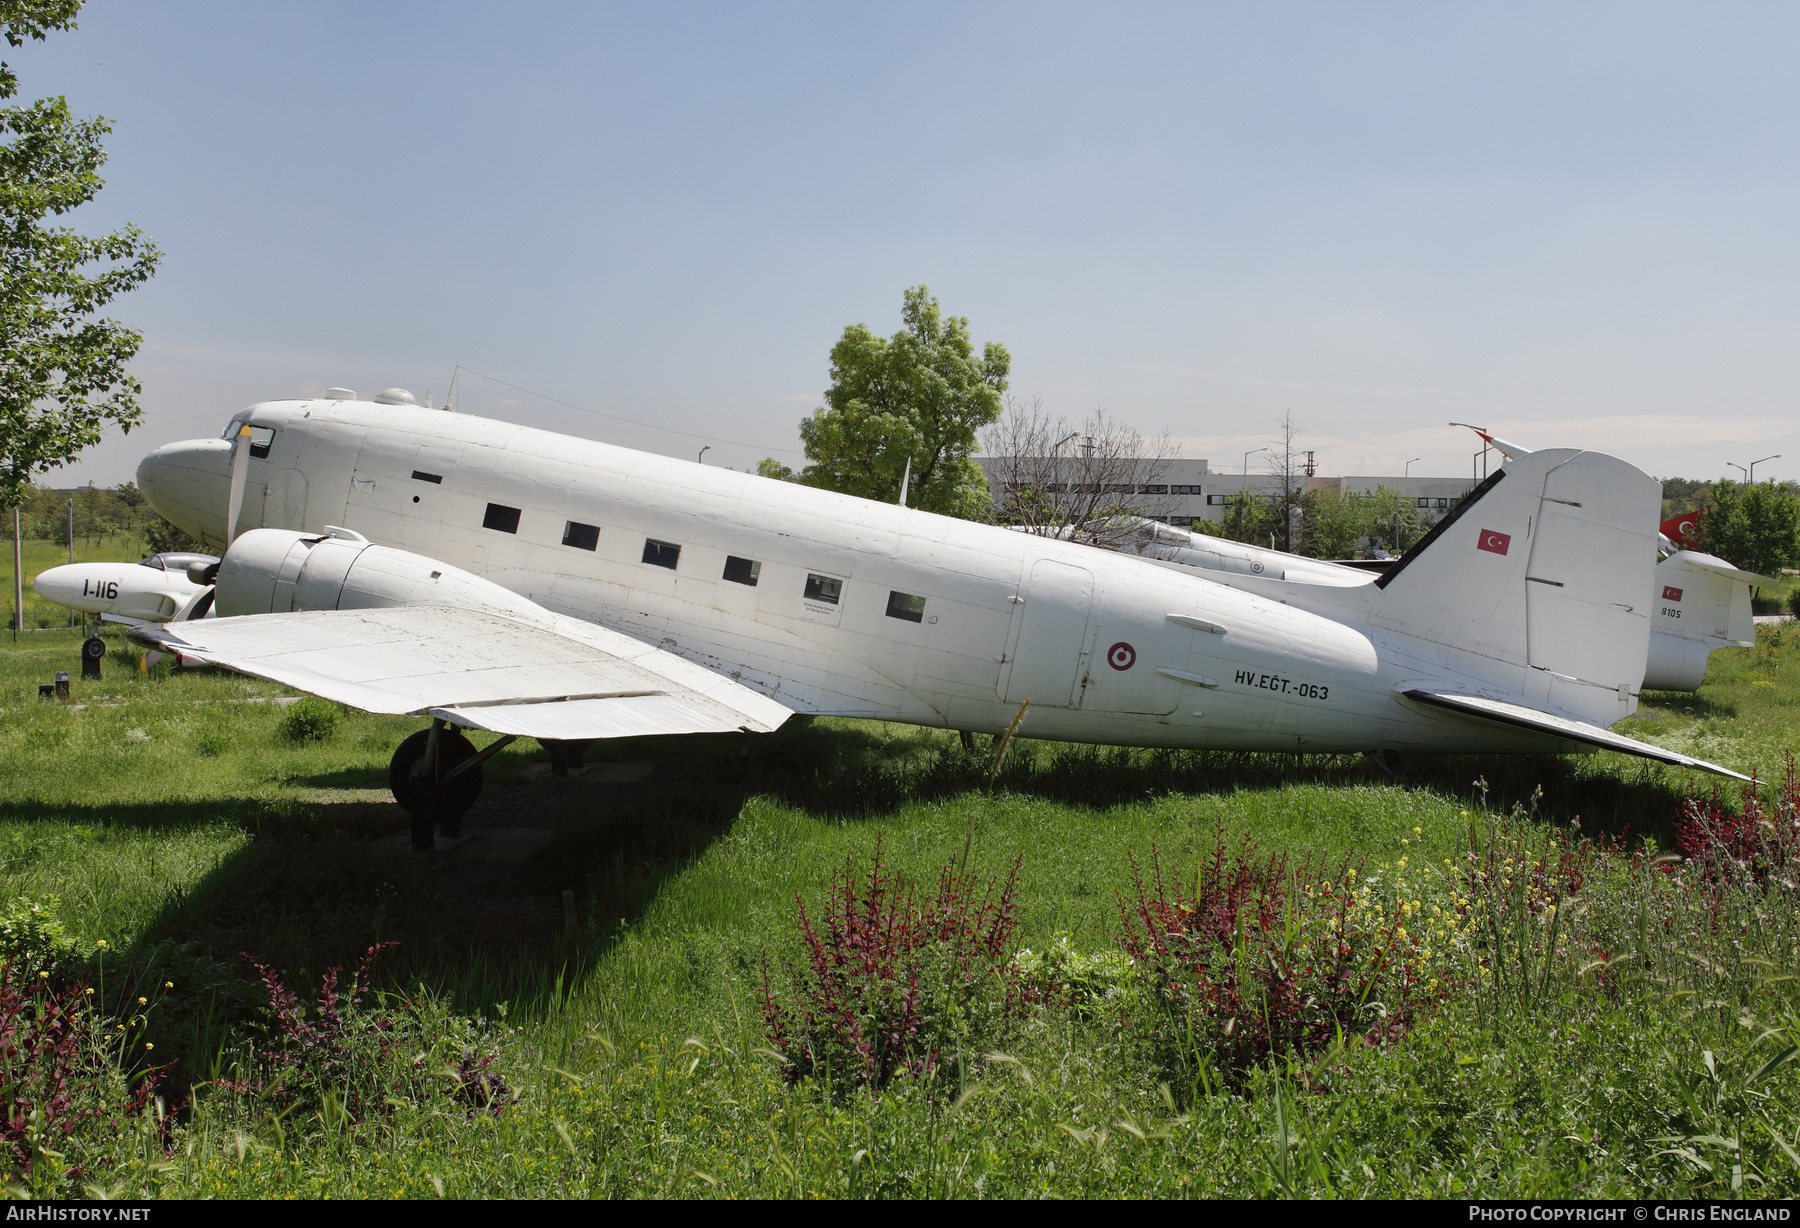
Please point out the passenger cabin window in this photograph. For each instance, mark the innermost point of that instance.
(262, 438)
(824, 588)
(419, 475)
(505, 519)
(661, 554)
(581, 536)
(742, 571)
(907, 606)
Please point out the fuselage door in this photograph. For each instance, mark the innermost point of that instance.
(1048, 662)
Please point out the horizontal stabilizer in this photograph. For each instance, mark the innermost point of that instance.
(566, 680)
(1521, 717)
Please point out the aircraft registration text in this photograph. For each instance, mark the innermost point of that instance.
(1282, 686)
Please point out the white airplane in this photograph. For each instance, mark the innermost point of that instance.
(494, 577)
(1700, 603)
(161, 588)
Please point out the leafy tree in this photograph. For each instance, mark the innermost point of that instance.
(62, 371)
(1393, 522)
(918, 397)
(1334, 522)
(1249, 517)
(1753, 527)
(769, 467)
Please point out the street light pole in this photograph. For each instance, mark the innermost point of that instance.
(1740, 469)
(1248, 455)
(1753, 464)
(701, 459)
(1405, 472)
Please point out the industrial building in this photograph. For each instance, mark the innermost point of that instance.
(1181, 492)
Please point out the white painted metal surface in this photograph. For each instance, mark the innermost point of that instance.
(466, 665)
(824, 603)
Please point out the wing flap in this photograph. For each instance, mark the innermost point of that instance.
(1519, 716)
(554, 680)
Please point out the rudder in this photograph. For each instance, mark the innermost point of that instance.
(1548, 564)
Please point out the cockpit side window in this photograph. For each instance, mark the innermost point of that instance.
(261, 437)
(154, 560)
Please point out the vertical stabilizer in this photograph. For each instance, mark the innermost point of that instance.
(1548, 564)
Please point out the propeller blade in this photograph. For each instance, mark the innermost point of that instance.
(240, 470)
(198, 606)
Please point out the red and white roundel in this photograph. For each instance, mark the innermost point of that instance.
(1121, 655)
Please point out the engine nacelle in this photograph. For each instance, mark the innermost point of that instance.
(273, 571)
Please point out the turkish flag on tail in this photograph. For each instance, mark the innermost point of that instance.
(1680, 529)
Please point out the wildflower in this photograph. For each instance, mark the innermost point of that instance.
(148, 1045)
(1352, 872)
(90, 991)
(1418, 831)
(143, 1001)
(100, 944)
(44, 975)
(171, 984)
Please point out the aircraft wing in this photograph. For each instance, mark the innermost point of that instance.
(557, 679)
(1522, 717)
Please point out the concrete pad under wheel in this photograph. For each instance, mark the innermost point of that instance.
(593, 773)
(502, 846)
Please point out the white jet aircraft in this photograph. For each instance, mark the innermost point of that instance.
(494, 577)
(161, 588)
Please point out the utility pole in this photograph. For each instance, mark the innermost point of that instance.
(18, 577)
(1753, 464)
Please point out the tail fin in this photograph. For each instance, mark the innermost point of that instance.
(1548, 564)
(1701, 604)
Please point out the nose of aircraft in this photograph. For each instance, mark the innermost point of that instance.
(189, 483)
(61, 585)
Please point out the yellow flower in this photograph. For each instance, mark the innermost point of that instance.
(44, 975)
(1418, 831)
(148, 1045)
(1352, 871)
(90, 991)
(143, 1001)
(168, 984)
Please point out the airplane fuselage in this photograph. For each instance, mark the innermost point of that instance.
(837, 605)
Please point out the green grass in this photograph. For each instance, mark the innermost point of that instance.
(172, 818)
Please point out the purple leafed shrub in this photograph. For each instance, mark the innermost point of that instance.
(1257, 957)
(358, 1057)
(63, 1093)
(1760, 844)
(889, 985)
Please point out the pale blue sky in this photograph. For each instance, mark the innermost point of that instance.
(1575, 224)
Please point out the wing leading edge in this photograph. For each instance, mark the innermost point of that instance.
(1522, 717)
(563, 680)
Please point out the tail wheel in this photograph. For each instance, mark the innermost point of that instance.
(456, 795)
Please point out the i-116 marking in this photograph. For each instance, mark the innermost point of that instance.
(1280, 685)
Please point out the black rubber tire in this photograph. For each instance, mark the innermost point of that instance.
(454, 796)
(93, 648)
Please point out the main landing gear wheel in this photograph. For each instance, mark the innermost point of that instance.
(453, 796)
